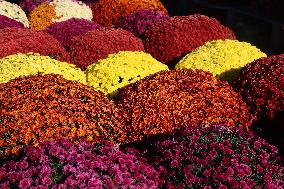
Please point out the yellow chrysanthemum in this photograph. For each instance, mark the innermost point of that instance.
(223, 58)
(29, 64)
(118, 70)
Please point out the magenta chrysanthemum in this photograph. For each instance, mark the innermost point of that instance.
(139, 21)
(65, 31)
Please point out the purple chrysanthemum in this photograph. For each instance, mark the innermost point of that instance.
(6, 22)
(78, 164)
(29, 5)
(65, 31)
(215, 157)
(142, 19)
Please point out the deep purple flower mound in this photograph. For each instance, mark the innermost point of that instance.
(29, 5)
(78, 164)
(6, 22)
(142, 19)
(216, 157)
(169, 40)
(65, 31)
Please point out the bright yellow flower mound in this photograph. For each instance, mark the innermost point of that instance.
(118, 70)
(29, 64)
(223, 58)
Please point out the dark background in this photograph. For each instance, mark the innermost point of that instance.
(259, 22)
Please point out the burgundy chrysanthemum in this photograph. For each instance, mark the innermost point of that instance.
(261, 84)
(169, 40)
(19, 40)
(99, 43)
(78, 164)
(168, 100)
(214, 157)
(67, 30)
(6, 22)
(139, 21)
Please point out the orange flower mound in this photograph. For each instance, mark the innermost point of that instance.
(42, 16)
(110, 12)
(168, 100)
(37, 108)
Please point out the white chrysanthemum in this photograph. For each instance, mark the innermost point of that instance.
(13, 11)
(66, 9)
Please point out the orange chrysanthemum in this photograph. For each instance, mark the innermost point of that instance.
(42, 16)
(109, 12)
(37, 108)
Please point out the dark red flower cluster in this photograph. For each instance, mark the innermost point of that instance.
(138, 21)
(6, 22)
(169, 100)
(66, 30)
(215, 157)
(98, 43)
(38, 108)
(261, 84)
(19, 40)
(78, 164)
(169, 40)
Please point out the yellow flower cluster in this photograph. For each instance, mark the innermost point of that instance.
(29, 64)
(118, 70)
(223, 58)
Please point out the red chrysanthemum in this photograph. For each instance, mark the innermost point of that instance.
(169, 40)
(97, 44)
(19, 40)
(261, 84)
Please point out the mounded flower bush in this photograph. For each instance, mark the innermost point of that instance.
(119, 70)
(98, 44)
(18, 40)
(261, 84)
(168, 100)
(215, 157)
(48, 13)
(17, 65)
(14, 12)
(110, 12)
(169, 40)
(38, 108)
(65, 31)
(78, 164)
(223, 58)
(6, 22)
(138, 21)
